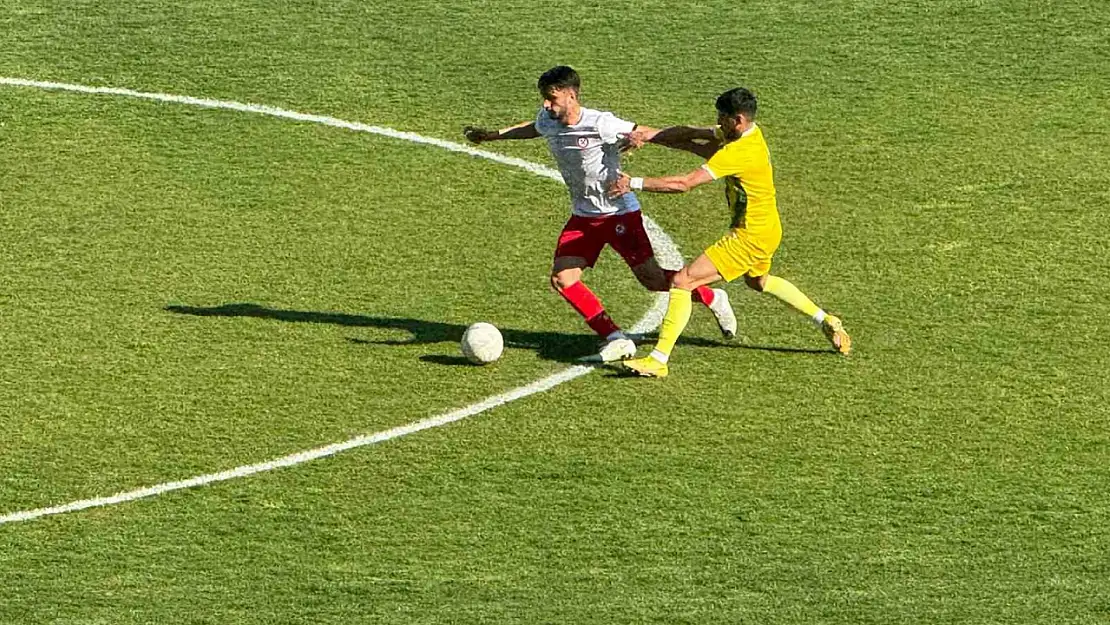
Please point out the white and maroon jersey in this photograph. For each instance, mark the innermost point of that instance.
(589, 160)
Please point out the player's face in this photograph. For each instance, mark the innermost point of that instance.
(731, 125)
(561, 104)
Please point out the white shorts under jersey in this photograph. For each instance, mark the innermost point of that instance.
(589, 160)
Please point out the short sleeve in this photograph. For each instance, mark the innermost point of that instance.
(611, 127)
(544, 123)
(728, 161)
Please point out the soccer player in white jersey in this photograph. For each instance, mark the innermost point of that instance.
(586, 144)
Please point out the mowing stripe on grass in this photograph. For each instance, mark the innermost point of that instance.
(665, 249)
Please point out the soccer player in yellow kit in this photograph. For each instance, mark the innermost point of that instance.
(737, 152)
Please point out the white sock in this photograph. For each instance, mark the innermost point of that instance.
(615, 335)
(819, 317)
(660, 356)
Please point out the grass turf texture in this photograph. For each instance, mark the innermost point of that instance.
(190, 290)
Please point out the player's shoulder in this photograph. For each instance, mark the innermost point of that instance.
(544, 123)
(755, 135)
(752, 140)
(593, 117)
(606, 124)
(739, 154)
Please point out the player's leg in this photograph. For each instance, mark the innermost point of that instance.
(716, 300)
(698, 273)
(728, 258)
(785, 291)
(566, 279)
(629, 239)
(654, 278)
(578, 248)
(651, 276)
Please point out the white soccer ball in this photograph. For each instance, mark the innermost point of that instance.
(482, 343)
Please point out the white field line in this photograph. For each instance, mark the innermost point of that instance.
(665, 249)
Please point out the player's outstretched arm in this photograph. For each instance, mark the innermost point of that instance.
(637, 138)
(523, 130)
(693, 139)
(680, 183)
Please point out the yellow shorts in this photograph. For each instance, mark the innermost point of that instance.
(739, 253)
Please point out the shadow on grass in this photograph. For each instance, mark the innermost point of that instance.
(785, 350)
(440, 359)
(557, 346)
(615, 370)
(649, 338)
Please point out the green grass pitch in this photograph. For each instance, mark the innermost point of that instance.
(189, 290)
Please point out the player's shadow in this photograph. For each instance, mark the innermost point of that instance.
(738, 344)
(556, 346)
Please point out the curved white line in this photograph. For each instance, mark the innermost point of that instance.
(666, 251)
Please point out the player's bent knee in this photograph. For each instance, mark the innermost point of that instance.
(682, 280)
(756, 282)
(561, 281)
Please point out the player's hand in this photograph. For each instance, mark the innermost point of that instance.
(475, 134)
(620, 186)
(633, 141)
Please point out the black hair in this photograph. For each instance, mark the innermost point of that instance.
(559, 77)
(736, 101)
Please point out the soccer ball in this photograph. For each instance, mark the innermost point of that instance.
(482, 343)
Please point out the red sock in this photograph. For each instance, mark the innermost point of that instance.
(586, 303)
(704, 295)
(701, 294)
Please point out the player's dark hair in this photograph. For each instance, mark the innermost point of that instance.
(559, 77)
(736, 101)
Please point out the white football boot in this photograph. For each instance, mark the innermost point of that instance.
(722, 310)
(619, 348)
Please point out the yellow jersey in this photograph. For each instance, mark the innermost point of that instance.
(745, 164)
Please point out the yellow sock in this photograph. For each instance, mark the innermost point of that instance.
(790, 294)
(678, 315)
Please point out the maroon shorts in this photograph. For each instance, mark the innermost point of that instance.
(586, 236)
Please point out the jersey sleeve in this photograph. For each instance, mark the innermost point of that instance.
(544, 123)
(611, 127)
(728, 161)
